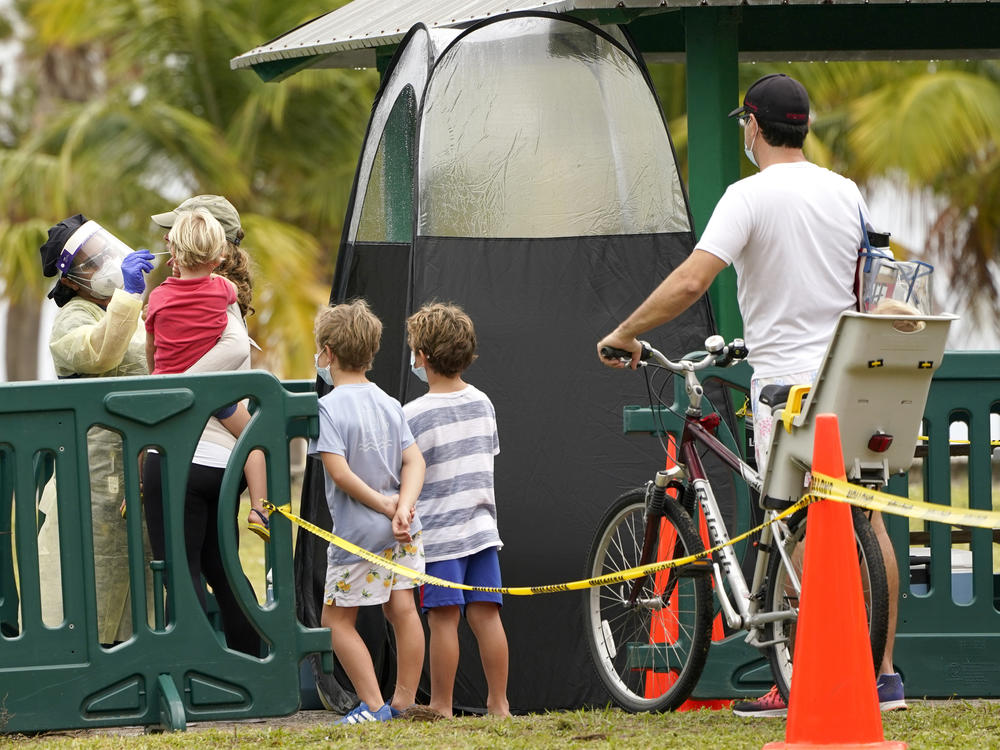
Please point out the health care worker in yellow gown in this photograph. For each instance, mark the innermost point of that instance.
(96, 333)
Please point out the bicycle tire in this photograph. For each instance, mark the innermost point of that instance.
(874, 588)
(649, 656)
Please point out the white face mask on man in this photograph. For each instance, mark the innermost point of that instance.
(748, 150)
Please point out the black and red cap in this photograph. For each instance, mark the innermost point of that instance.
(776, 98)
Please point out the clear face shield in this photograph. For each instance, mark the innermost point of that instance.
(888, 285)
(92, 257)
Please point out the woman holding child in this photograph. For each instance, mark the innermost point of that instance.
(208, 230)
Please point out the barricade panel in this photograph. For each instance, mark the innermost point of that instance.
(66, 448)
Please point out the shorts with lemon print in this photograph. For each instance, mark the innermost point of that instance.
(363, 583)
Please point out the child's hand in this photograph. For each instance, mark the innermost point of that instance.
(401, 526)
(389, 505)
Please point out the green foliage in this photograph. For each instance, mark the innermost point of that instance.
(124, 109)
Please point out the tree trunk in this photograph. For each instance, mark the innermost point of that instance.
(22, 340)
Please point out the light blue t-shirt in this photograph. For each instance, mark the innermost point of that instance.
(367, 427)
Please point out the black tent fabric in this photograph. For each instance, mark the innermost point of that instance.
(533, 162)
(539, 306)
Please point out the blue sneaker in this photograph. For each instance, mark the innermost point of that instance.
(361, 714)
(890, 692)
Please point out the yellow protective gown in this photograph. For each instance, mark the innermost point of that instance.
(88, 341)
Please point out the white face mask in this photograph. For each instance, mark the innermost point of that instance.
(748, 150)
(323, 372)
(107, 278)
(420, 372)
(99, 267)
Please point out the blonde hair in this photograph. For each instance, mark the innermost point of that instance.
(352, 331)
(445, 335)
(197, 238)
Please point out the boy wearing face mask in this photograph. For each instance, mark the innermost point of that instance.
(455, 427)
(374, 471)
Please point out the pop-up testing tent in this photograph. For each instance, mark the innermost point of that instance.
(522, 169)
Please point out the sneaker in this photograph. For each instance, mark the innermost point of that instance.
(890, 692)
(361, 713)
(771, 704)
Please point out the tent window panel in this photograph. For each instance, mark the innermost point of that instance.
(551, 131)
(387, 213)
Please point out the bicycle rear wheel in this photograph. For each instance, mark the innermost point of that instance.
(781, 596)
(649, 654)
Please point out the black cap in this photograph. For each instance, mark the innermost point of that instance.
(51, 252)
(53, 247)
(776, 98)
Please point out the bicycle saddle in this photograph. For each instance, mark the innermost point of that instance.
(774, 395)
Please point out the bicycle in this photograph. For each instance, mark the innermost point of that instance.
(650, 637)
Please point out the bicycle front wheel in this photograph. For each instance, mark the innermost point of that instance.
(782, 596)
(649, 650)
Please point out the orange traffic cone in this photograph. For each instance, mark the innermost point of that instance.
(833, 701)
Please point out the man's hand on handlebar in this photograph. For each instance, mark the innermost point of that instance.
(616, 340)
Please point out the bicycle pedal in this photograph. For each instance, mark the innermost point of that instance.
(774, 503)
(696, 568)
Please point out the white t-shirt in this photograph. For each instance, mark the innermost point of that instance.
(792, 233)
(457, 434)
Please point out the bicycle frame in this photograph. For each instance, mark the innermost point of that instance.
(742, 610)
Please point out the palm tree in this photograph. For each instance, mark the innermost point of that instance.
(169, 119)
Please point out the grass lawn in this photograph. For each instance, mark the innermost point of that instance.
(938, 724)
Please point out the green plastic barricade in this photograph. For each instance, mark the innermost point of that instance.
(172, 666)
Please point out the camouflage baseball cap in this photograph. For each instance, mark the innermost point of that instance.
(219, 207)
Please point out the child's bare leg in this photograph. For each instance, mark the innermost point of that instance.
(352, 653)
(443, 622)
(255, 468)
(401, 612)
(484, 619)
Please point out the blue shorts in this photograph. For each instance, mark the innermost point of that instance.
(480, 569)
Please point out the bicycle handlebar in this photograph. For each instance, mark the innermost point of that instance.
(611, 352)
(719, 354)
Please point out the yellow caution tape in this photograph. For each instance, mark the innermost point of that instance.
(605, 580)
(821, 487)
(828, 488)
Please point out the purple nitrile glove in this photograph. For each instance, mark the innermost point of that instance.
(133, 267)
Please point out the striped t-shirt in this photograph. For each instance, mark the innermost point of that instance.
(457, 433)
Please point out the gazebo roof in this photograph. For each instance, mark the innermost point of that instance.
(348, 37)
(353, 35)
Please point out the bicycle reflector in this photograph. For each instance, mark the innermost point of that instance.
(879, 442)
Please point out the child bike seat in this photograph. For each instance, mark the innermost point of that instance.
(874, 377)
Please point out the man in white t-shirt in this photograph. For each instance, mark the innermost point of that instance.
(792, 233)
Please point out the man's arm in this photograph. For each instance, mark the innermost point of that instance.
(674, 295)
(341, 474)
